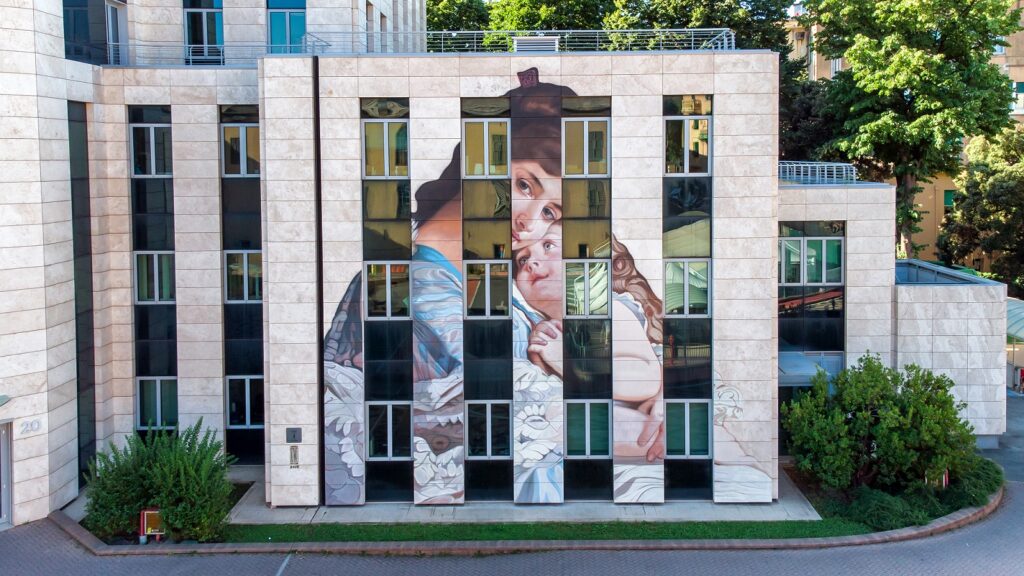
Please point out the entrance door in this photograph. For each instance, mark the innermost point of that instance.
(5, 475)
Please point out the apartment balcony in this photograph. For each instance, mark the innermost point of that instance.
(464, 42)
(817, 173)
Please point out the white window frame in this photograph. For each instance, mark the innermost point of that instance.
(686, 138)
(151, 169)
(490, 448)
(391, 444)
(289, 48)
(686, 285)
(487, 149)
(803, 261)
(487, 289)
(206, 24)
(586, 423)
(999, 49)
(586, 286)
(835, 66)
(139, 424)
(686, 430)
(366, 290)
(586, 146)
(155, 255)
(243, 157)
(248, 402)
(247, 298)
(387, 141)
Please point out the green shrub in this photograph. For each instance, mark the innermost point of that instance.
(976, 481)
(118, 489)
(183, 474)
(879, 427)
(191, 488)
(883, 511)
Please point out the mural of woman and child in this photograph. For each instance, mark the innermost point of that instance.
(538, 309)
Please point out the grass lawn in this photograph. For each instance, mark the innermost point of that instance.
(541, 531)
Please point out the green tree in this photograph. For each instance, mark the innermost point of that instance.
(919, 81)
(988, 209)
(549, 15)
(879, 427)
(806, 125)
(456, 15)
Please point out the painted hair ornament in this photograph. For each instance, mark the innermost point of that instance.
(529, 78)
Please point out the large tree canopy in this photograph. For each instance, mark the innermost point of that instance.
(549, 15)
(919, 81)
(988, 209)
(456, 15)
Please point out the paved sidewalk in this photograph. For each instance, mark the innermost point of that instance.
(791, 505)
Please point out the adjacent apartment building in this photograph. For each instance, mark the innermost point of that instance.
(442, 268)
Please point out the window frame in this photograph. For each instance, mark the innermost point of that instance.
(206, 28)
(155, 255)
(151, 168)
(686, 157)
(139, 425)
(247, 298)
(487, 289)
(387, 140)
(487, 149)
(366, 290)
(686, 429)
(686, 285)
(586, 287)
(285, 48)
(586, 146)
(243, 158)
(586, 412)
(490, 447)
(391, 445)
(824, 261)
(248, 402)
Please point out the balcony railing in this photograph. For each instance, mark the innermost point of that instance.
(336, 43)
(817, 172)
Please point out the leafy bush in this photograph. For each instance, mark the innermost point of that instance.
(183, 474)
(879, 427)
(118, 489)
(980, 478)
(883, 511)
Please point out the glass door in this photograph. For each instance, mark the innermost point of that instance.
(204, 36)
(287, 27)
(115, 34)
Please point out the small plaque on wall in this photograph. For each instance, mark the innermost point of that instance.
(293, 435)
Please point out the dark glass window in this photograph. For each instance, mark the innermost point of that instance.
(387, 355)
(691, 105)
(588, 479)
(241, 113)
(687, 357)
(153, 213)
(486, 199)
(389, 481)
(487, 289)
(387, 223)
(587, 351)
(389, 430)
(586, 225)
(488, 359)
(485, 107)
(688, 479)
(149, 114)
(240, 199)
(687, 218)
(489, 480)
(586, 106)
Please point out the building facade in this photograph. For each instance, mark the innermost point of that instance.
(390, 265)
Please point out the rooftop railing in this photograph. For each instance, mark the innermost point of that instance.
(817, 172)
(337, 43)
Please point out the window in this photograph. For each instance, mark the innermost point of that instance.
(387, 290)
(389, 430)
(489, 430)
(1018, 97)
(151, 150)
(387, 220)
(687, 135)
(286, 25)
(588, 429)
(585, 145)
(154, 277)
(204, 31)
(244, 402)
(241, 149)
(587, 288)
(687, 284)
(487, 289)
(385, 137)
(156, 404)
(486, 219)
(485, 146)
(947, 199)
(686, 219)
(809, 261)
(586, 218)
(835, 67)
(999, 49)
(687, 429)
(243, 275)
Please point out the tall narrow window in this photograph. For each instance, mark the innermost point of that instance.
(204, 32)
(485, 148)
(151, 150)
(385, 137)
(587, 288)
(243, 276)
(586, 147)
(244, 400)
(687, 286)
(286, 26)
(154, 277)
(688, 428)
(811, 261)
(687, 135)
(240, 150)
(387, 290)
(156, 403)
(588, 429)
(488, 430)
(388, 430)
(487, 289)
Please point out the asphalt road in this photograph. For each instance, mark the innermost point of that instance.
(993, 547)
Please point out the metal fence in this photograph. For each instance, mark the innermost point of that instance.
(817, 172)
(330, 43)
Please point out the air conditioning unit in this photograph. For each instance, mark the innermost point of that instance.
(535, 44)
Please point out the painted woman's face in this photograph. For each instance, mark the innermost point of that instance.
(536, 202)
(539, 273)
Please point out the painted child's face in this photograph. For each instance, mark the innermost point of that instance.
(539, 273)
(536, 202)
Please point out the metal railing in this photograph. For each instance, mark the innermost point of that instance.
(817, 172)
(327, 43)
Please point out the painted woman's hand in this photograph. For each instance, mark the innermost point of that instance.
(543, 349)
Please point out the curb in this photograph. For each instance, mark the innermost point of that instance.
(947, 523)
